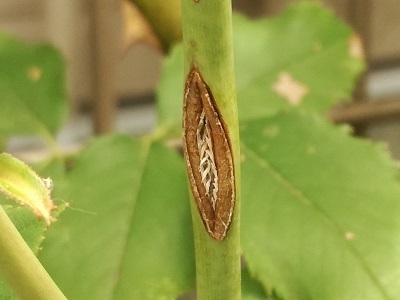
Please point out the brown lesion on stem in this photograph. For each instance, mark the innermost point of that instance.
(208, 156)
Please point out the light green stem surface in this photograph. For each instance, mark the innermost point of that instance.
(20, 267)
(207, 37)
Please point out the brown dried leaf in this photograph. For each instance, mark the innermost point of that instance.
(356, 48)
(136, 28)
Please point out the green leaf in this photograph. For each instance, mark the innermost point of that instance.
(32, 88)
(31, 229)
(320, 211)
(251, 288)
(305, 49)
(20, 183)
(128, 234)
(28, 226)
(170, 90)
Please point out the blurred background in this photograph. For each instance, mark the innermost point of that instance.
(88, 33)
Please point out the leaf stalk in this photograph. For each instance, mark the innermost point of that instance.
(20, 267)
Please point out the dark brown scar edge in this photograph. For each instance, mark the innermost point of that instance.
(198, 96)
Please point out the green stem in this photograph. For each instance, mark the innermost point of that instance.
(20, 267)
(207, 37)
